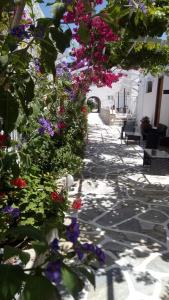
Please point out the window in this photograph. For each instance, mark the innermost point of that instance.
(166, 92)
(149, 87)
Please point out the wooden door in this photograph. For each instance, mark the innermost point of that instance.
(158, 100)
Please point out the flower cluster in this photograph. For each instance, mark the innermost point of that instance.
(91, 56)
(53, 271)
(72, 231)
(62, 70)
(46, 127)
(20, 32)
(97, 251)
(38, 67)
(77, 204)
(56, 197)
(19, 183)
(11, 211)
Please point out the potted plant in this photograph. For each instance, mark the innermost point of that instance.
(145, 126)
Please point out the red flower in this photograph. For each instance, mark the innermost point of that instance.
(77, 204)
(56, 197)
(2, 194)
(19, 182)
(3, 140)
(61, 109)
(61, 125)
(84, 109)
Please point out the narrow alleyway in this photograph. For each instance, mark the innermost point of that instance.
(126, 211)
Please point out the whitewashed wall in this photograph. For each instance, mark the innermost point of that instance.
(104, 94)
(164, 115)
(146, 101)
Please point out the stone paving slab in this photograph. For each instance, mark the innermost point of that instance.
(126, 211)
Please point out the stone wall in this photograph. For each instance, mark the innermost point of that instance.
(105, 115)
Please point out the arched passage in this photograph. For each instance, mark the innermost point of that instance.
(95, 104)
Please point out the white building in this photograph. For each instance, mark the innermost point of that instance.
(153, 99)
(123, 94)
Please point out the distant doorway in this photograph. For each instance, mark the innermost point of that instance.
(94, 103)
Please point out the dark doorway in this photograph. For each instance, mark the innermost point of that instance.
(94, 103)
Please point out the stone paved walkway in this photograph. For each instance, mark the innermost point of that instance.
(126, 211)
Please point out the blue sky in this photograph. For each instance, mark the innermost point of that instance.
(47, 9)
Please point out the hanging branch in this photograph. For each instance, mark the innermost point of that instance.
(18, 14)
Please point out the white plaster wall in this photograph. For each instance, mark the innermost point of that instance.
(146, 101)
(103, 93)
(164, 115)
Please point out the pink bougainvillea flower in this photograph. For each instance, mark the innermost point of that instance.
(19, 182)
(77, 204)
(56, 197)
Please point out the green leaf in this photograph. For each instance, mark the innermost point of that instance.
(89, 274)
(84, 32)
(10, 252)
(62, 39)
(71, 281)
(9, 110)
(59, 10)
(40, 247)
(49, 189)
(3, 61)
(39, 288)
(48, 55)
(27, 231)
(11, 279)
(29, 90)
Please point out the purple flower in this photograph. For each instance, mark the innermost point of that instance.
(20, 32)
(41, 130)
(45, 127)
(100, 255)
(37, 66)
(88, 247)
(13, 212)
(96, 251)
(72, 231)
(54, 245)
(53, 271)
(79, 253)
(67, 1)
(63, 70)
(71, 94)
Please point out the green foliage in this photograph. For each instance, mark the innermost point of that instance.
(38, 287)
(72, 281)
(11, 279)
(10, 252)
(135, 28)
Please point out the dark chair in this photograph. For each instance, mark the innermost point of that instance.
(152, 139)
(128, 126)
(161, 128)
(164, 141)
